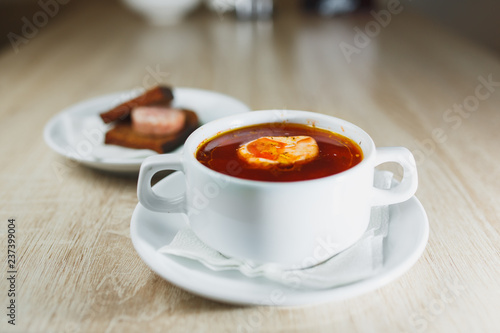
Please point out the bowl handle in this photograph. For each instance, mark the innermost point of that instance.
(147, 197)
(408, 186)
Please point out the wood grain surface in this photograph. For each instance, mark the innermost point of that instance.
(77, 268)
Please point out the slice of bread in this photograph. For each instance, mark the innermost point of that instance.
(123, 135)
(160, 95)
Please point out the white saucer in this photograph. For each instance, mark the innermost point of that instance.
(78, 132)
(405, 243)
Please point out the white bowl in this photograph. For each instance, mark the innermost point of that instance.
(162, 12)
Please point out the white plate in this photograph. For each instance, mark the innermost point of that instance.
(78, 132)
(406, 241)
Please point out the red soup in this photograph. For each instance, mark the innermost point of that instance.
(279, 152)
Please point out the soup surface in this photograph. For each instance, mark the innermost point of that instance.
(279, 152)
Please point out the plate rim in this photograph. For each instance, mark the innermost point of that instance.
(301, 297)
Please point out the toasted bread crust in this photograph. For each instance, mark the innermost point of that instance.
(123, 135)
(160, 95)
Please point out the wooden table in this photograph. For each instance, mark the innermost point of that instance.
(77, 270)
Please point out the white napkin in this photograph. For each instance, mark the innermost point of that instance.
(360, 261)
(109, 153)
(83, 136)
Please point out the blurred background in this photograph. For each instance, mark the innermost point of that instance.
(474, 19)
